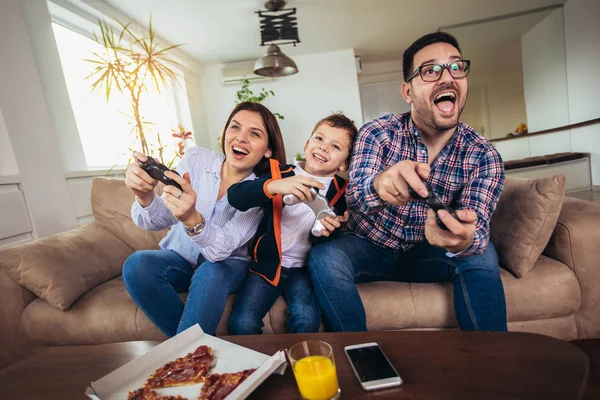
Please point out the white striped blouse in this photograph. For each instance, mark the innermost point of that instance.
(227, 230)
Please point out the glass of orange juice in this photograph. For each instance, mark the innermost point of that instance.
(314, 368)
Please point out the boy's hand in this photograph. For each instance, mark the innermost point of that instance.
(331, 224)
(297, 185)
(459, 234)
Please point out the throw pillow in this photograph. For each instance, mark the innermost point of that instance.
(111, 203)
(525, 219)
(62, 267)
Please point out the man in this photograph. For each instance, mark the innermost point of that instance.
(392, 236)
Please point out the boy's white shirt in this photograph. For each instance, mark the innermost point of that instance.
(296, 223)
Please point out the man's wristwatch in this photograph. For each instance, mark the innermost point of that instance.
(196, 229)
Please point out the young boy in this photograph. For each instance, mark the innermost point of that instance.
(283, 239)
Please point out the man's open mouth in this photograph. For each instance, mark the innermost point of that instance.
(444, 101)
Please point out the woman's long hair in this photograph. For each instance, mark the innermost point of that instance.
(273, 132)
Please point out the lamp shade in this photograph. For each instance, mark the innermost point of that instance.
(275, 63)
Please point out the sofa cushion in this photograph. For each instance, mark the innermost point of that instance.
(550, 290)
(524, 220)
(108, 314)
(105, 314)
(62, 267)
(111, 205)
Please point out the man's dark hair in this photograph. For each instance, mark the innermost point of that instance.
(424, 41)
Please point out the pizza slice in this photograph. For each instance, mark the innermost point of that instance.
(188, 370)
(218, 386)
(149, 394)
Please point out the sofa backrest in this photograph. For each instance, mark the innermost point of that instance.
(111, 205)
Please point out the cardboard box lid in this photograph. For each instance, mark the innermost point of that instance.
(229, 357)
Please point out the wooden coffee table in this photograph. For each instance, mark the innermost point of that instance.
(433, 365)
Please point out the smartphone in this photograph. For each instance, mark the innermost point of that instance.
(371, 367)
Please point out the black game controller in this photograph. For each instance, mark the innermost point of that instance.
(434, 202)
(157, 171)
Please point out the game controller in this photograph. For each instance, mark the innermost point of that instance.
(435, 203)
(318, 204)
(157, 171)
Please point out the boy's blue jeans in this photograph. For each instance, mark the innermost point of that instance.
(337, 265)
(155, 277)
(256, 296)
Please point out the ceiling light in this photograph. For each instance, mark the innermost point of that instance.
(275, 63)
(278, 26)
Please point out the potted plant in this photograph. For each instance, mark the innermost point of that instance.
(130, 63)
(246, 94)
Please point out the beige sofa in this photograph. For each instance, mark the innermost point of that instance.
(67, 290)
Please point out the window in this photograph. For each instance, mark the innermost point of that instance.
(105, 128)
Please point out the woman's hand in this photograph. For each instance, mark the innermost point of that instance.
(139, 182)
(298, 185)
(182, 203)
(331, 224)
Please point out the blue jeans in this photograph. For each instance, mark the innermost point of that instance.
(337, 265)
(155, 277)
(256, 296)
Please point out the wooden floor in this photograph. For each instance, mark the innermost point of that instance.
(592, 195)
(591, 347)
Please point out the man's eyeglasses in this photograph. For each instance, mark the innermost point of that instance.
(433, 72)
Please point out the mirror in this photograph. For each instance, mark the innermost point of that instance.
(518, 76)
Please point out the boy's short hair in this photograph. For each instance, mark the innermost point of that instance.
(340, 121)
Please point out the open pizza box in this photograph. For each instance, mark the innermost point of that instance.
(229, 357)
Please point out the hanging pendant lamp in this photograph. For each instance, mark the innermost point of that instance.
(278, 26)
(275, 64)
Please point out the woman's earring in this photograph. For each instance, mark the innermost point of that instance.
(268, 154)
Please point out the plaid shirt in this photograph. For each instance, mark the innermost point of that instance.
(467, 174)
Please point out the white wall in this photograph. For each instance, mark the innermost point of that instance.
(506, 102)
(544, 74)
(325, 83)
(381, 89)
(29, 127)
(384, 71)
(15, 226)
(476, 111)
(382, 98)
(49, 69)
(193, 79)
(582, 49)
(8, 164)
(582, 39)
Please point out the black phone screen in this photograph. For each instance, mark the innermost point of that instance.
(370, 364)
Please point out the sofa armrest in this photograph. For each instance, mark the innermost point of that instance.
(13, 300)
(576, 242)
(62, 267)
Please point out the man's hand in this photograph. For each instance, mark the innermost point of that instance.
(459, 234)
(139, 182)
(331, 224)
(392, 184)
(182, 203)
(298, 185)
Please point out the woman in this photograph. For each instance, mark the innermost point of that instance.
(205, 251)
